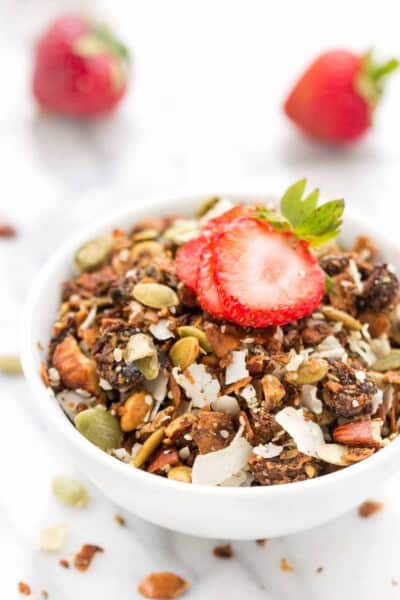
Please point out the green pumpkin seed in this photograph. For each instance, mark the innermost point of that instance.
(333, 314)
(146, 234)
(11, 365)
(148, 447)
(141, 350)
(182, 231)
(190, 331)
(92, 254)
(99, 427)
(146, 248)
(390, 362)
(206, 205)
(184, 352)
(155, 295)
(69, 491)
(309, 372)
(149, 367)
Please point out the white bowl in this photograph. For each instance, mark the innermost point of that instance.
(234, 513)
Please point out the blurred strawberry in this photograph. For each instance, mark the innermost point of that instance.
(80, 68)
(335, 98)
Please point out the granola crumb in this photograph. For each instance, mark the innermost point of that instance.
(286, 567)
(64, 563)
(7, 231)
(84, 557)
(369, 508)
(162, 585)
(319, 570)
(119, 519)
(44, 594)
(223, 551)
(24, 588)
(262, 541)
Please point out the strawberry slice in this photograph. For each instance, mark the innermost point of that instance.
(207, 291)
(187, 261)
(226, 219)
(265, 277)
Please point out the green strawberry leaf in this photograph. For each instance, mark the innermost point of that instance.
(296, 209)
(275, 219)
(104, 34)
(322, 224)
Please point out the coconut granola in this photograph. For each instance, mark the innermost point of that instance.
(150, 377)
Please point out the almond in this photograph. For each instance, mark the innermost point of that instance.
(76, 370)
(366, 434)
(162, 585)
(162, 460)
(135, 409)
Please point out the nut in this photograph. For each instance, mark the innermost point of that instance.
(181, 473)
(162, 585)
(134, 410)
(180, 425)
(365, 434)
(76, 370)
(334, 314)
(369, 507)
(69, 491)
(390, 362)
(148, 447)
(99, 427)
(310, 372)
(92, 254)
(184, 352)
(189, 330)
(141, 350)
(163, 460)
(155, 295)
(273, 391)
(221, 342)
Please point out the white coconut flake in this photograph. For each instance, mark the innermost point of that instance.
(237, 369)
(52, 539)
(377, 400)
(90, 318)
(241, 479)
(365, 332)
(309, 398)
(356, 276)
(104, 384)
(380, 346)
(182, 230)
(250, 395)
(360, 376)
(307, 435)
(330, 348)
(219, 208)
(227, 404)
(69, 401)
(198, 384)
(54, 376)
(296, 360)
(278, 335)
(361, 347)
(121, 454)
(269, 450)
(161, 330)
(216, 467)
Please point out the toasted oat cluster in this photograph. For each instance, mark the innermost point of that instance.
(153, 379)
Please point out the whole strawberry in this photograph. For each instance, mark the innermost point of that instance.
(80, 68)
(335, 98)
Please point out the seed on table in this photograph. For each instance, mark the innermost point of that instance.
(70, 491)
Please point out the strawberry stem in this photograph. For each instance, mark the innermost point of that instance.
(379, 71)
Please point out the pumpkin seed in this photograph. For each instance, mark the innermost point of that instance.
(139, 346)
(206, 205)
(99, 427)
(69, 491)
(155, 295)
(309, 372)
(146, 248)
(149, 367)
(184, 352)
(190, 331)
(92, 254)
(391, 362)
(181, 473)
(11, 365)
(148, 447)
(146, 234)
(333, 314)
(182, 231)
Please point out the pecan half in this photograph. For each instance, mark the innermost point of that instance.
(365, 434)
(76, 370)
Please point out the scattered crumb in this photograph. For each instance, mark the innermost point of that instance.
(119, 519)
(52, 539)
(63, 563)
(319, 570)
(394, 582)
(369, 508)
(85, 556)
(7, 231)
(162, 586)
(44, 594)
(24, 588)
(262, 542)
(223, 551)
(285, 566)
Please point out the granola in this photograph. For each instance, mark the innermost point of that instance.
(164, 385)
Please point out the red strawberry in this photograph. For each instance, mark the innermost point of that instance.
(265, 277)
(207, 291)
(335, 98)
(80, 68)
(187, 261)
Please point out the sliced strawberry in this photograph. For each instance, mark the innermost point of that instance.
(207, 291)
(187, 261)
(226, 219)
(265, 277)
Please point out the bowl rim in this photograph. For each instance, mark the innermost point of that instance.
(60, 421)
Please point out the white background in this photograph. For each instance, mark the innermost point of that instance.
(203, 112)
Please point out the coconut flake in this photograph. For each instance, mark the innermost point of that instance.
(330, 348)
(216, 467)
(161, 330)
(121, 454)
(309, 398)
(90, 318)
(250, 395)
(296, 360)
(377, 400)
(69, 401)
(198, 384)
(227, 404)
(269, 450)
(241, 479)
(361, 347)
(307, 435)
(356, 276)
(237, 369)
(52, 539)
(380, 346)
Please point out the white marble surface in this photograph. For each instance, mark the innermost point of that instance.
(203, 113)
